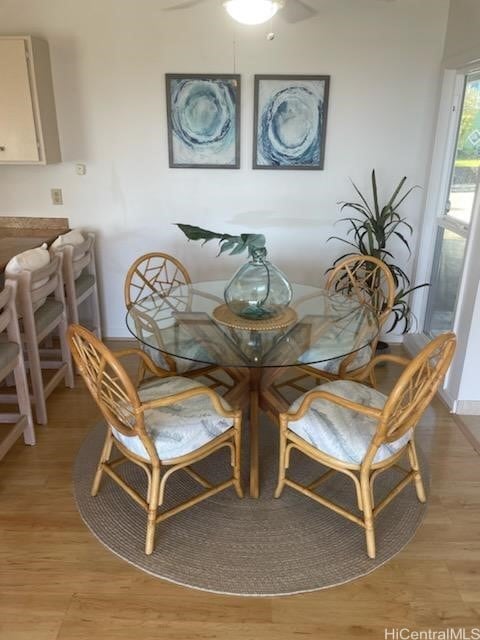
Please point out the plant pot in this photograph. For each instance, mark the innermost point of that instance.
(381, 350)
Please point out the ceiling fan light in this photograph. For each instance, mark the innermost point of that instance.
(252, 11)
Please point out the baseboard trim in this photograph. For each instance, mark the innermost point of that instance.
(414, 342)
(392, 339)
(467, 432)
(448, 400)
(468, 407)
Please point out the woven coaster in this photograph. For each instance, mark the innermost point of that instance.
(224, 315)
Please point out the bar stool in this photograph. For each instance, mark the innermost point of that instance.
(79, 276)
(41, 303)
(11, 361)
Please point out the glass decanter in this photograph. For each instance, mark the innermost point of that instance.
(258, 290)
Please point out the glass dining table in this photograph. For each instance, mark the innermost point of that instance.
(185, 323)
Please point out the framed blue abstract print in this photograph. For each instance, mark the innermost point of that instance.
(203, 114)
(290, 122)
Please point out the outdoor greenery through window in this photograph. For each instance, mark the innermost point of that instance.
(454, 221)
(467, 160)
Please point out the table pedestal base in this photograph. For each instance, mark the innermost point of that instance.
(254, 392)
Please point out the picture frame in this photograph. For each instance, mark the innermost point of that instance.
(203, 116)
(290, 121)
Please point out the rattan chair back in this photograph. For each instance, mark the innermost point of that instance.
(153, 273)
(367, 278)
(109, 384)
(416, 387)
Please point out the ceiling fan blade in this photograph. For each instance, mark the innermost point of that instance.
(184, 5)
(296, 11)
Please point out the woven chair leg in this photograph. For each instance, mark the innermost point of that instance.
(419, 488)
(153, 505)
(282, 463)
(368, 515)
(237, 458)
(104, 457)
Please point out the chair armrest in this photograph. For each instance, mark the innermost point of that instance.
(147, 361)
(400, 360)
(165, 401)
(366, 372)
(343, 402)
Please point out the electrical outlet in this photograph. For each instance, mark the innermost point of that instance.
(57, 196)
(80, 169)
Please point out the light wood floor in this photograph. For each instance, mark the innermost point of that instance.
(58, 583)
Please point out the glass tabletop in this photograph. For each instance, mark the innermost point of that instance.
(181, 324)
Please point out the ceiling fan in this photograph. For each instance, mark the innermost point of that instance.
(259, 11)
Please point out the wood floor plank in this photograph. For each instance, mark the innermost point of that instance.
(466, 575)
(108, 627)
(172, 605)
(32, 616)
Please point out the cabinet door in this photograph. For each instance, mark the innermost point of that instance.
(18, 139)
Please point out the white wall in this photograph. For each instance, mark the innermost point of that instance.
(462, 44)
(109, 58)
(468, 397)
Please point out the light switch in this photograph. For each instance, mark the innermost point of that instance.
(57, 196)
(80, 169)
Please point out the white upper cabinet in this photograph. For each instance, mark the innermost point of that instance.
(28, 122)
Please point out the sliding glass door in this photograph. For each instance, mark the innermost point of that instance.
(453, 223)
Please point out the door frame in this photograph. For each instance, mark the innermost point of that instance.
(450, 108)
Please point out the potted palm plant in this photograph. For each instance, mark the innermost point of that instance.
(372, 230)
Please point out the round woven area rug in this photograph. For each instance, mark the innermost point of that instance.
(264, 547)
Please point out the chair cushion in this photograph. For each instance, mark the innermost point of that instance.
(8, 353)
(74, 238)
(83, 283)
(340, 432)
(179, 428)
(30, 260)
(47, 313)
(317, 356)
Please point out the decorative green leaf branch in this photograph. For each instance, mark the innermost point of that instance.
(234, 245)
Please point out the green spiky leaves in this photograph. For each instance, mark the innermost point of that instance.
(371, 230)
